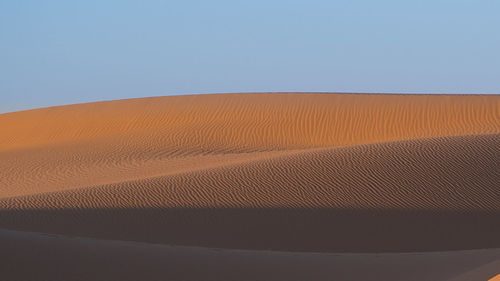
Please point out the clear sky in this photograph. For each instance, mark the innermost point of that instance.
(62, 52)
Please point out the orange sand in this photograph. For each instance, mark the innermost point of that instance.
(291, 172)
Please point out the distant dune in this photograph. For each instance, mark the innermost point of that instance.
(256, 183)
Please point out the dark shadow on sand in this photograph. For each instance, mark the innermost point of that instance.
(312, 230)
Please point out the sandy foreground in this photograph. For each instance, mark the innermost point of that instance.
(253, 187)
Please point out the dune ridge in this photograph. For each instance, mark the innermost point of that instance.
(255, 120)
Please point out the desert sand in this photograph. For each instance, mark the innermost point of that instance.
(265, 186)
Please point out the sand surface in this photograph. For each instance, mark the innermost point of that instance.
(253, 187)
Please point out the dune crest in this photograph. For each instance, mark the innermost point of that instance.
(254, 121)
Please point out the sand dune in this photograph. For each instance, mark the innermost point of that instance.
(302, 173)
(454, 173)
(430, 189)
(89, 144)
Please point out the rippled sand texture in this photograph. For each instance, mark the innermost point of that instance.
(326, 173)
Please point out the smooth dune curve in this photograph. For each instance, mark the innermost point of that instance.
(233, 121)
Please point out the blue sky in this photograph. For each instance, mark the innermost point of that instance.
(62, 52)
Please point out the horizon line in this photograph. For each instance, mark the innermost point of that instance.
(250, 92)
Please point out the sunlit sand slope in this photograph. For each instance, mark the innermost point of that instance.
(453, 174)
(257, 121)
(75, 146)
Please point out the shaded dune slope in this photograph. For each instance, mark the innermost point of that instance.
(297, 172)
(105, 260)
